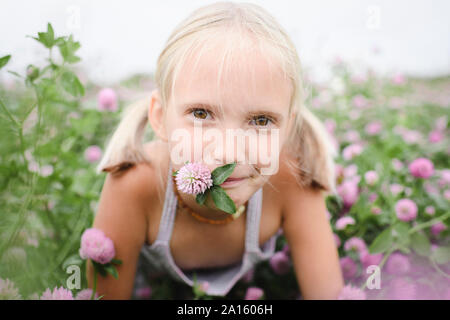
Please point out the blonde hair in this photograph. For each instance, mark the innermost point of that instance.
(309, 142)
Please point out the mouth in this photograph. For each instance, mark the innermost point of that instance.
(232, 182)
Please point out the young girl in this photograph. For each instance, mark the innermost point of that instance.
(227, 66)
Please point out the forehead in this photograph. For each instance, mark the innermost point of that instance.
(234, 80)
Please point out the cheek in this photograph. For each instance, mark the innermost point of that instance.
(268, 150)
(181, 143)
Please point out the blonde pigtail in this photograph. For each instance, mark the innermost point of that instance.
(314, 152)
(125, 147)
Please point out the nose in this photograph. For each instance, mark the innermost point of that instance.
(229, 152)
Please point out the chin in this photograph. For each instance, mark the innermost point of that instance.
(240, 195)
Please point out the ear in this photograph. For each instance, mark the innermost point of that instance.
(156, 116)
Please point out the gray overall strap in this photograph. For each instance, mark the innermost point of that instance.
(168, 214)
(253, 219)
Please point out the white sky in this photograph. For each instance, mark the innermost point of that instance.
(119, 38)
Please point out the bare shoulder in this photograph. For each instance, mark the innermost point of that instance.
(137, 184)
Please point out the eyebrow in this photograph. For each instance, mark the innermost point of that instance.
(202, 105)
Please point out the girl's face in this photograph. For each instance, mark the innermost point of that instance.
(254, 96)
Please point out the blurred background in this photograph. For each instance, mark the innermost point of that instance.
(119, 39)
(377, 75)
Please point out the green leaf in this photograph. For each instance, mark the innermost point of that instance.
(99, 268)
(401, 229)
(60, 41)
(441, 255)
(175, 173)
(420, 244)
(46, 38)
(201, 197)
(74, 259)
(50, 34)
(116, 261)
(220, 174)
(111, 269)
(222, 200)
(15, 73)
(382, 242)
(67, 49)
(334, 204)
(4, 60)
(67, 144)
(71, 84)
(403, 249)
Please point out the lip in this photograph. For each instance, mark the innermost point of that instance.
(232, 182)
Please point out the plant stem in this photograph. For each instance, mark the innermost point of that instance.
(20, 219)
(52, 221)
(74, 238)
(8, 113)
(95, 284)
(429, 223)
(438, 269)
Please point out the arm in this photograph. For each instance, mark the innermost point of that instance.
(121, 216)
(310, 238)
